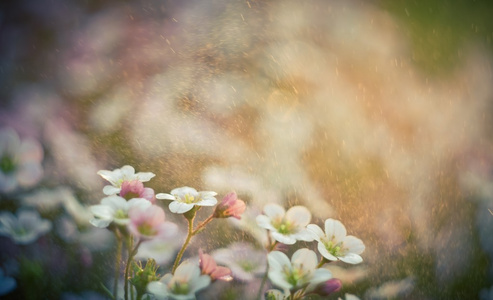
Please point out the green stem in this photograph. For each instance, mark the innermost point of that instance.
(202, 225)
(185, 244)
(322, 262)
(131, 255)
(118, 259)
(264, 279)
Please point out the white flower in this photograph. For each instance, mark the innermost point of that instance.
(185, 198)
(46, 200)
(161, 249)
(334, 244)
(118, 176)
(286, 227)
(20, 161)
(298, 273)
(25, 228)
(183, 285)
(115, 209)
(244, 261)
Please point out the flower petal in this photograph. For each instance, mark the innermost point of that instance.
(323, 251)
(304, 258)
(144, 176)
(273, 210)
(317, 232)
(281, 238)
(351, 258)
(353, 244)
(336, 229)
(207, 202)
(299, 214)
(158, 289)
(264, 222)
(110, 190)
(179, 207)
(164, 196)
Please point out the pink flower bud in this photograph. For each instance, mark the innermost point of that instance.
(149, 222)
(328, 287)
(209, 267)
(135, 189)
(230, 206)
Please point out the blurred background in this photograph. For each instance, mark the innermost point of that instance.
(375, 113)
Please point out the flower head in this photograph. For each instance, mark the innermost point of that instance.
(335, 245)
(328, 287)
(185, 198)
(244, 261)
(24, 228)
(286, 227)
(20, 161)
(183, 284)
(115, 209)
(230, 206)
(208, 266)
(135, 189)
(299, 272)
(162, 249)
(148, 222)
(118, 176)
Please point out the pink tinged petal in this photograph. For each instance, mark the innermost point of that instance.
(110, 190)
(325, 253)
(351, 258)
(221, 273)
(264, 222)
(281, 238)
(273, 211)
(132, 186)
(30, 151)
(179, 207)
(148, 194)
(164, 196)
(316, 231)
(29, 174)
(299, 215)
(206, 263)
(353, 244)
(305, 258)
(229, 199)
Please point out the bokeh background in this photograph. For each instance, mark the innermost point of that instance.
(376, 113)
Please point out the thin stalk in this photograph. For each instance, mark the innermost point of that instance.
(131, 255)
(185, 244)
(202, 225)
(264, 279)
(118, 259)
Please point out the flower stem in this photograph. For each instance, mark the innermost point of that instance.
(185, 244)
(322, 262)
(264, 279)
(131, 254)
(202, 225)
(118, 259)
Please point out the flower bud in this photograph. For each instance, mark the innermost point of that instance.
(230, 206)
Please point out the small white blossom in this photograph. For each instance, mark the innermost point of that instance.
(185, 198)
(20, 161)
(244, 261)
(286, 227)
(334, 244)
(161, 249)
(115, 209)
(299, 272)
(182, 285)
(24, 228)
(118, 176)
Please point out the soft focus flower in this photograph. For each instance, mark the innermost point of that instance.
(349, 297)
(7, 284)
(244, 261)
(162, 249)
(208, 266)
(135, 189)
(20, 161)
(46, 200)
(274, 294)
(148, 222)
(286, 227)
(298, 273)
(118, 176)
(328, 287)
(115, 209)
(248, 223)
(334, 244)
(25, 228)
(183, 285)
(394, 289)
(230, 206)
(185, 198)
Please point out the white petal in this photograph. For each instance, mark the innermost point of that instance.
(102, 211)
(207, 194)
(299, 214)
(264, 222)
(273, 210)
(335, 228)
(144, 176)
(323, 251)
(304, 257)
(351, 258)
(354, 244)
(179, 207)
(277, 278)
(115, 202)
(112, 176)
(110, 190)
(165, 196)
(281, 238)
(207, 202)
(184, 190)
(158, 289)
(128, 172)
(304, 235)
(200, 283)
(278, 260)
(319, 275)
(100, 223)
(317, 232)
(187, 271)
